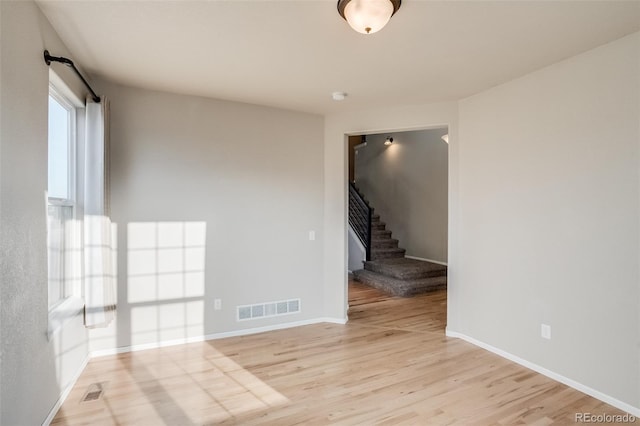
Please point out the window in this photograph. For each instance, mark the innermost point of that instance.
(61, 197)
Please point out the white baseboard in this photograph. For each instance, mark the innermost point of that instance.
(214, 336)
(65, 392)
(634, 411)
(426, 260)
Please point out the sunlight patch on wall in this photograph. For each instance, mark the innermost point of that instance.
(166, 321)
(165, 280)
(166, 260)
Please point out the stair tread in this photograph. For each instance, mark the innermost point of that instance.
(400, 287)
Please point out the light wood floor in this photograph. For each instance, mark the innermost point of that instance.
(391, 364)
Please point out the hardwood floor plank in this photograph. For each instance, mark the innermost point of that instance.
(390, 365)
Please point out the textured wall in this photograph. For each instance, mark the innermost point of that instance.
(34, 369)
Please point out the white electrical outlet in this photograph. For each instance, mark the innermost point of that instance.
(545, 331)
(217, 304)
(312, 235)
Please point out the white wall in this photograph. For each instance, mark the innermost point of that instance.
(406, 183)
(213, 200)
(357, 253)
(34, 370)
(335, 195)
(549, 211)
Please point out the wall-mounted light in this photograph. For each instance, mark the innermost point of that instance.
(368, 16)
(388, 141)
(446, 138)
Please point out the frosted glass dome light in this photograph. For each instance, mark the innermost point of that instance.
(368, 16)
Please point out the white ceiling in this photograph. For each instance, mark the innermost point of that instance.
(293, 54)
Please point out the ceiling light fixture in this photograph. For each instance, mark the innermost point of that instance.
(368, 16)
(388, 141)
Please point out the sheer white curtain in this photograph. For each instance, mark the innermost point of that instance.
(99, 235)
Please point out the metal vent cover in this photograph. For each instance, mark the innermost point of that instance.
(268, 309)
(94, 392)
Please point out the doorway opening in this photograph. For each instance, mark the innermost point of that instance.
(398, 215)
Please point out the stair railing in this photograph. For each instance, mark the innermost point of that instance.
(360, 218)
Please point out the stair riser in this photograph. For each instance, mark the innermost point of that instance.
(406, 291)
(386, 255)
(404, 276)
(378, 226)
(385, 243)
(413, 292)
(380, 234)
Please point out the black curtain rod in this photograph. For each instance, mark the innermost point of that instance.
(68, 62)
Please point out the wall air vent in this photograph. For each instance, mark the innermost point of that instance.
(268, 309)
